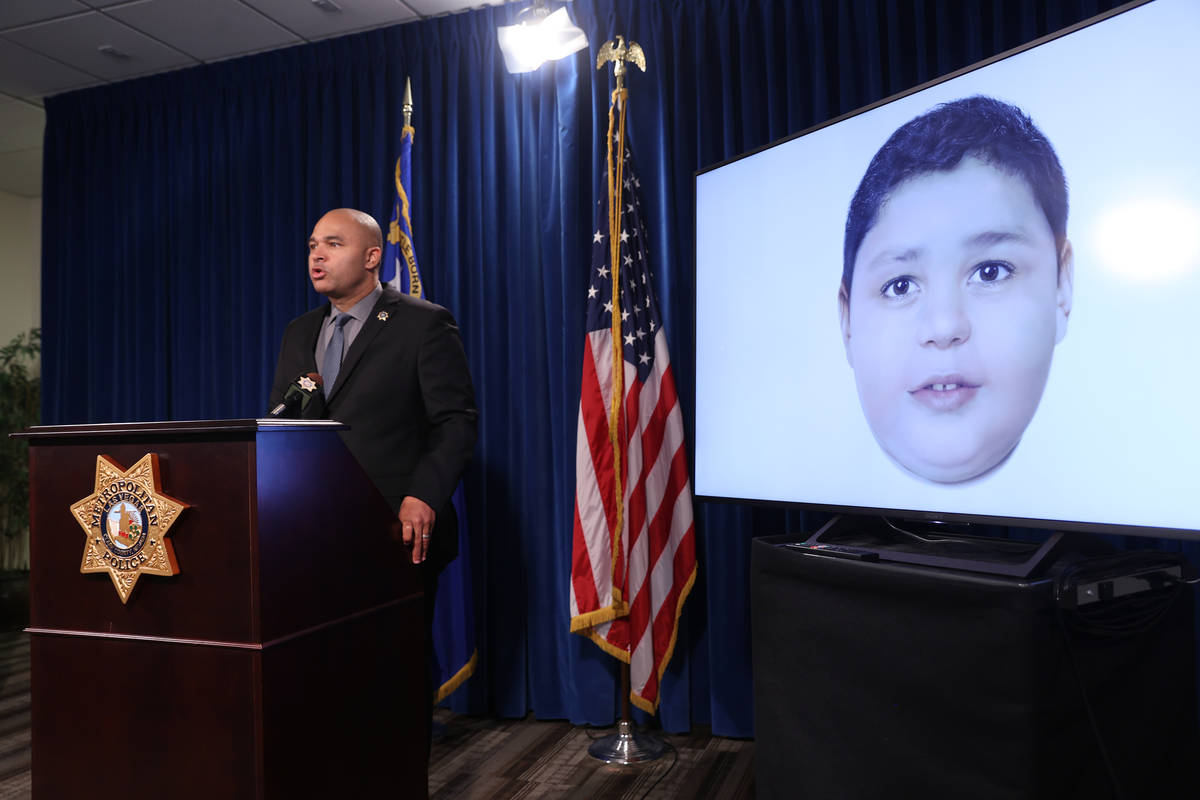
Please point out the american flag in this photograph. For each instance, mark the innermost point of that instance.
(633, 553)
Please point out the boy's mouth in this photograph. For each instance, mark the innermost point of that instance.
(944, 392)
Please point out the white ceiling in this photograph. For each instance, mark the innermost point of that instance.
(52, 46)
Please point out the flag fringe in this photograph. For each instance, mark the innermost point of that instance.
(580, 623)
(458, 679)
(651, 707)
(618, 653)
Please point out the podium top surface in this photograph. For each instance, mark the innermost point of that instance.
(197, 427)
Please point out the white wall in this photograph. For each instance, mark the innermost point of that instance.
(20, 305)
(21, 265)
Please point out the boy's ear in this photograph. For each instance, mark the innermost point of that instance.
(1066, 285)
(844, 316)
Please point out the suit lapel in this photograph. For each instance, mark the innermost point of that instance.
(370, 329)
(310, 352)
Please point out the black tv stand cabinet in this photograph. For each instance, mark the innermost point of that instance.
(891, 679)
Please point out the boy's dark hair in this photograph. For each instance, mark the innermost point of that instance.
(995, 132)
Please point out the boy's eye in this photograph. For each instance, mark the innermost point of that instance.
(991, 272)
(898, 287)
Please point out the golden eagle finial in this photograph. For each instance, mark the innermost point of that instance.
(619, 53)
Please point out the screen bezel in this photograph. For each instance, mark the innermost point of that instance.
(919, 515)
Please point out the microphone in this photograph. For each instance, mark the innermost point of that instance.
(298, 395)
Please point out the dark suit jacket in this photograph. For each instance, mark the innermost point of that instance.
(405, 391)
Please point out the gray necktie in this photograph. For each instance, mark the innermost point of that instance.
(332, 362)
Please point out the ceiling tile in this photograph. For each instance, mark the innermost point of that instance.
(22, 12)
(303, 17)
(21, 172)
(21, 126)
(75, 41)
(431, 8)
(24, 73)
(205, 29)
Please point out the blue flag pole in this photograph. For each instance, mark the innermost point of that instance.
(454, 608)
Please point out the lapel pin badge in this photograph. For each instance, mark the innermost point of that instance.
(382, 316)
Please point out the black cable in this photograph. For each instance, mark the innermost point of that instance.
(1114, 618)
(927, 539)
(1087, 705)
(658, 780)
(1128, 615)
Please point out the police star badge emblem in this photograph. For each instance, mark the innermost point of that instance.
(125, 520)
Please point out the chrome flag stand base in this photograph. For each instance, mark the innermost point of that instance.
(626, 746)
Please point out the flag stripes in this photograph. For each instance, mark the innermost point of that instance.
(633, 540)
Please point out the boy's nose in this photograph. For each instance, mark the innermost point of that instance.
(944, 321)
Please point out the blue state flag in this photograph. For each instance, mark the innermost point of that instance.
(399, 268)
(454, 608)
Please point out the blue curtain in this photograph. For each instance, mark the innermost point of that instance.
(177, 208)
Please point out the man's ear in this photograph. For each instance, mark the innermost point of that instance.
(374, 254)
(844, 316)
(1066, 288)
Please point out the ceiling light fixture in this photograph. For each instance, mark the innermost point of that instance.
(541, 36)
(113, 52)
(328, 5)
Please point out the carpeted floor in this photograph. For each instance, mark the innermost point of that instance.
(474, 758)
(14, 716)
(489, 759)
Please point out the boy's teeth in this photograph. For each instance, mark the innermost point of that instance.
(945, 387)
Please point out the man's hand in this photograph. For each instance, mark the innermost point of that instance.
(416, 526)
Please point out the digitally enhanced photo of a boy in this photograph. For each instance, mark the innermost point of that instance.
(956, 286)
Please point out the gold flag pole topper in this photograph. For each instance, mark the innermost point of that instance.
(626, 746)
(407, 107)
(619, 53)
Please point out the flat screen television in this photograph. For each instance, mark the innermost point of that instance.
(976, 301)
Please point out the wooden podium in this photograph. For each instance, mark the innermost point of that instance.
(285, 660)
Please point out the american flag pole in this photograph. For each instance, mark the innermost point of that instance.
(616, 429)
(627, 746)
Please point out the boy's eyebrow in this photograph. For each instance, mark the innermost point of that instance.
(978, 240)
(890, 256)
(996, 237)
